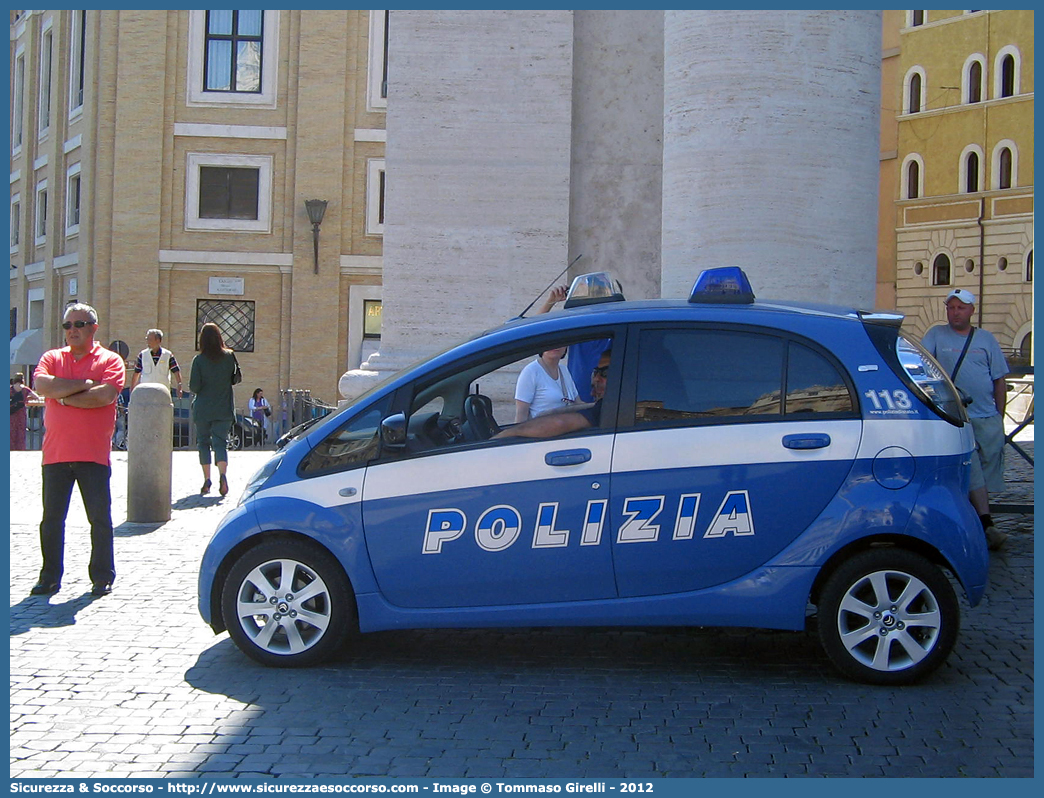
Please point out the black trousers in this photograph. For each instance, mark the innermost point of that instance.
(93, 479)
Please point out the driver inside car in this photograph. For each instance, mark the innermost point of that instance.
(568, 419)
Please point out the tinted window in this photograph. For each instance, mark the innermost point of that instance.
(439, 412)
(814, 385)
(228, 192)
(351, 444)
(707, 374)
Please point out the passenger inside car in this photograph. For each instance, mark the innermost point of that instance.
(569, 419)
(544, 386)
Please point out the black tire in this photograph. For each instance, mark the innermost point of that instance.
(294, 632)
(888, 617)
(234, 441)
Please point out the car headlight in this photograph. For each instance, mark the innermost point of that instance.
(260, 477)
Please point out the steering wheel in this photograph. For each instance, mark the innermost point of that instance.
(479, 413)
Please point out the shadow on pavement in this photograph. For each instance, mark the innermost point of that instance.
(582, 657)
(128, 529)
(37, 612)
(428, 692)
(194, 500)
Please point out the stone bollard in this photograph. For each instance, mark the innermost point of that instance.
(150, 425)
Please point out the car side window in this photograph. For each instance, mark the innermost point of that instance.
(479, 399)
(449, 411)
(697, 375)
(351, 445)
(814, 385)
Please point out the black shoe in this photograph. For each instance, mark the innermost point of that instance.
(102, 589)
(43, 588)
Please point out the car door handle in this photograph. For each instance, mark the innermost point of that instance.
(568, 457)
(806, 441)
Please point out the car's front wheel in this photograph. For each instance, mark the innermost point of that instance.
(888, 616)
(287, 603)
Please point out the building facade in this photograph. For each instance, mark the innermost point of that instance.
(964, 169)
(160, 166)
(161, 162)
(650, 144)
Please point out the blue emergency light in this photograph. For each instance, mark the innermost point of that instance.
(727, 285)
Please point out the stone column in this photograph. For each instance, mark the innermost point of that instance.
(477, 204)
(770, 155)
(617, 160)
(149, 445)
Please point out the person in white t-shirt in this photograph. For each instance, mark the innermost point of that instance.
(544, 386)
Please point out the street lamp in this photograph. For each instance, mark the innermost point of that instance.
(316, 209)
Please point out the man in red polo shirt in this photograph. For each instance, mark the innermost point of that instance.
(80, 383)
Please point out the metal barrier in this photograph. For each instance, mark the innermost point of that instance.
(1020, 403)
(296, 407)
(34, 427)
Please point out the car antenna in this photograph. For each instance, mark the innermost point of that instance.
(522, 315)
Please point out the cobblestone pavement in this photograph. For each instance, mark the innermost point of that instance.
(135, 685)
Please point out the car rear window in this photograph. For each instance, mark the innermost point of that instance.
(707, 375)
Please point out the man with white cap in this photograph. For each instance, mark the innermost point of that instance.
(974, 360)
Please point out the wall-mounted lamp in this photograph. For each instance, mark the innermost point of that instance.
(316, 210)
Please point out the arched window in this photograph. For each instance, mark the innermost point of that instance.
(914, 103)
(973, 82)
(1029, 266)
(1004, 165)
(1004, 168)
(1007, 79)
(914, 83)
(971, 172)
(913, 180)
(1007, 68)
(941, 270)
(911, 177)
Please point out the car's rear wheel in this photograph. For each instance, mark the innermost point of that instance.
(234, 441)
(888, 616)
(287, 603)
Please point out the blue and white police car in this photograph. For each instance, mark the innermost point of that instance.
(742, 463)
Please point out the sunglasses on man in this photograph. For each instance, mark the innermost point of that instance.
(79, 324)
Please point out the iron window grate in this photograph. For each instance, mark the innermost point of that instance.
(234, 319)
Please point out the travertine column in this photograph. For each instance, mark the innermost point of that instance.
(617, 163)
(477, 205)
(771, 150)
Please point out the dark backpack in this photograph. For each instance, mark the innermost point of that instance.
(17, 402)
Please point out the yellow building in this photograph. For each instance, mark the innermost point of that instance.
(963, 168)
(161, 161)
(160, 166)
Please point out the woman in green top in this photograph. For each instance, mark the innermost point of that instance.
(213, 407)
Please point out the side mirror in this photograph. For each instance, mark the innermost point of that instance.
(393, 431)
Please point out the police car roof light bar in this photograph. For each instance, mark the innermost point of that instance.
(727, 285)
(592, 289)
